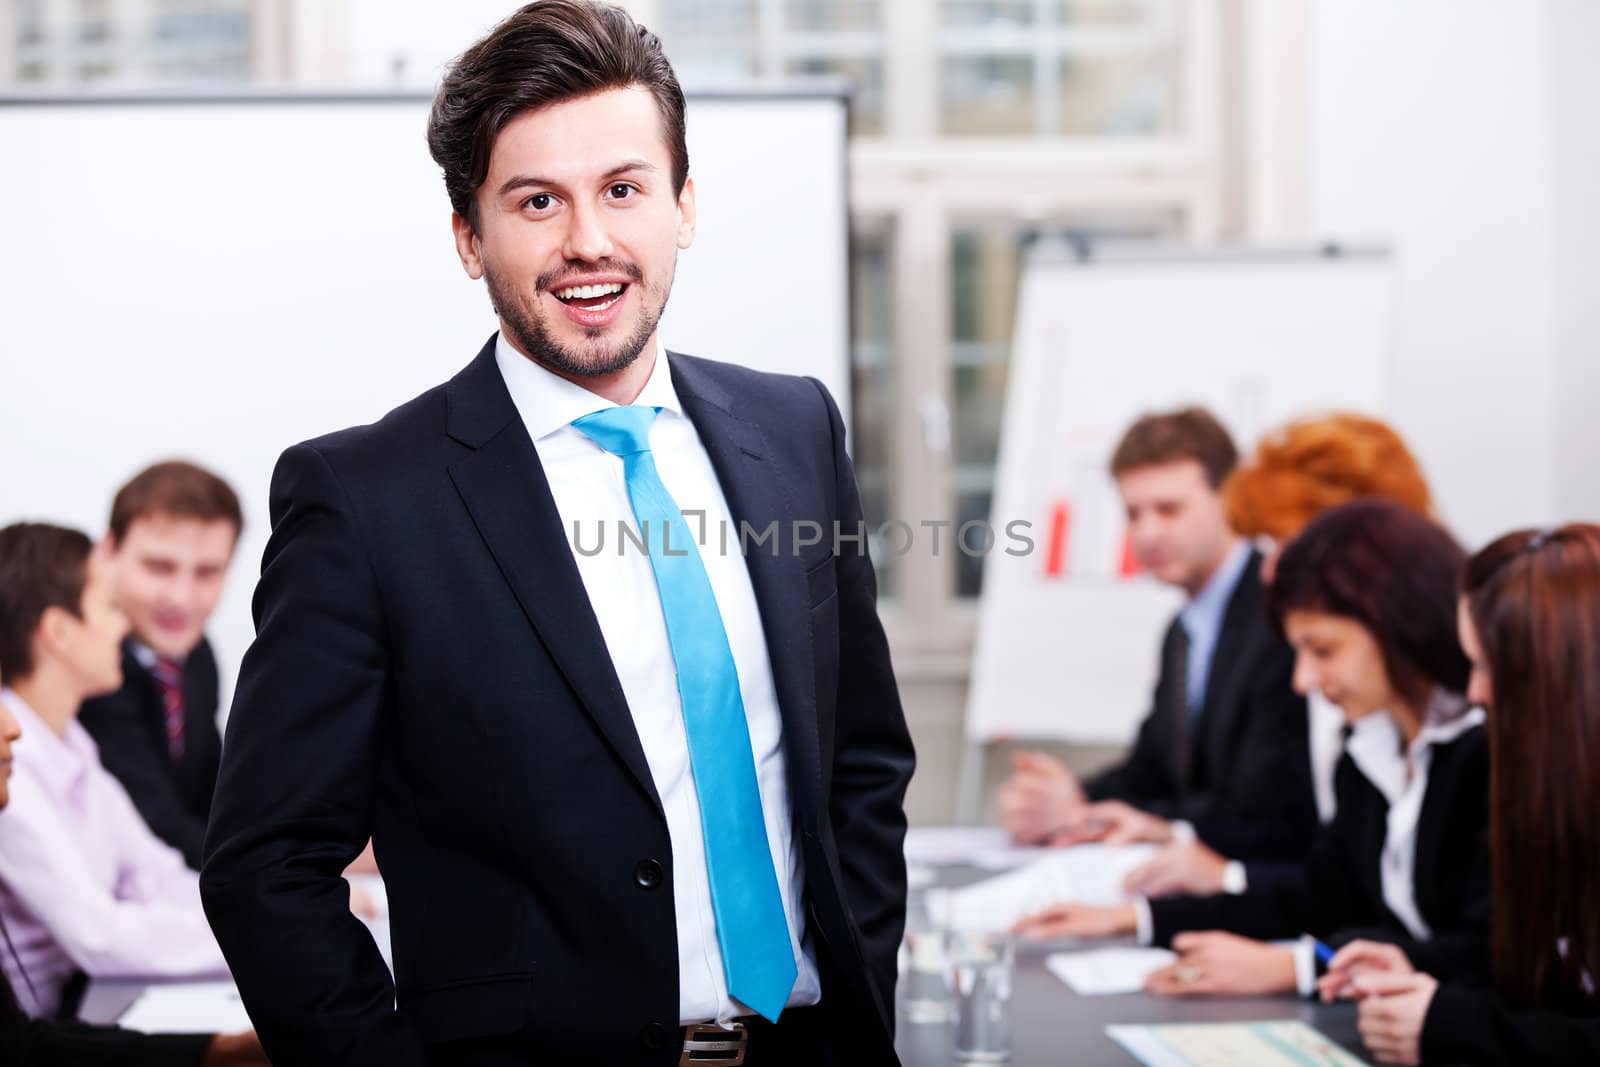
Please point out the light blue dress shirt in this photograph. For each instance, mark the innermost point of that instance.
(1202, 619)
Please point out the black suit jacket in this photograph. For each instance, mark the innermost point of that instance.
(1247, 788)
(1470, 1023)
(427, 669)
(130, 727)
(1338, 893)
(26, 1042)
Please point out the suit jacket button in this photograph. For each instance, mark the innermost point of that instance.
(647, 874)
(654, 1035)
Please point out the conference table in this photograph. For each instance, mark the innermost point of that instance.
(1051, 1024)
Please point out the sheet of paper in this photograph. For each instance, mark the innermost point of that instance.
(187, 1008)
(988, 847)
(1268, 1044)
(1086, 874)
(1107, 971)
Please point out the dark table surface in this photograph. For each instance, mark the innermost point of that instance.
(1052, 1025)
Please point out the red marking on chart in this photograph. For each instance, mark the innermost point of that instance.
(1057, 540)
(1129, 565)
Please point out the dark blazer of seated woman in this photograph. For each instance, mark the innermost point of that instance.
(1337, 894)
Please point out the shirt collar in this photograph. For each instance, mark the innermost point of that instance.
(548, 402)
(1206, 608)
(60, 763)
(146, 656)
(1374, 742)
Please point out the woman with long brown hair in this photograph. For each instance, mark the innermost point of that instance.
(1530, 621)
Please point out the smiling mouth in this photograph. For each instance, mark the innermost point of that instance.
(591, 297)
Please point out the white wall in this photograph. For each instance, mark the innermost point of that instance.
(1432, 128)
(1574, 85)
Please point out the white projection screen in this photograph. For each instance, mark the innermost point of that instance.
(217, 278)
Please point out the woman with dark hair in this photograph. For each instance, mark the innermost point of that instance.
(1366, 596)
(1530, 621)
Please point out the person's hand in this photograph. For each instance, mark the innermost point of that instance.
(361, 902)
(235, 1050)
(1111, 822)
(1393, 1009)
(1216, 964)
(1185, 867)
(1077, 920)
(1356, 959)
(1039, 798)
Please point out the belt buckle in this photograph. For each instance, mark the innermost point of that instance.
(709, 1043)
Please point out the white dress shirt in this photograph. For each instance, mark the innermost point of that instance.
(1401, 775)
(591, 495)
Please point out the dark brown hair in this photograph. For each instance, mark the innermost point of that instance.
(1314, 464)
(1170, 436)
(1534, 600)
(41, 567)
(547, 52)
(1390, 569)
(176, 488)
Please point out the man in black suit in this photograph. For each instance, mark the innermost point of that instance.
(1224, 753)
(171, 538)
(585, 821)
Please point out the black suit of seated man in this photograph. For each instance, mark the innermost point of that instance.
(170, 540)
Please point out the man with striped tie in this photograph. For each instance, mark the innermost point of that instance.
(561, 636)
(171, 538)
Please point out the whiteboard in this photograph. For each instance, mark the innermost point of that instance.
(217, 278)
(1067, 641)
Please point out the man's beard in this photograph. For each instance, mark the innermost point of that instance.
(526, 326)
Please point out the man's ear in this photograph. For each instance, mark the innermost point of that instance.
(468, 247)
(52, 635)
(686, 214)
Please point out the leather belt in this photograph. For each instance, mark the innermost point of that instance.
(710, 1043)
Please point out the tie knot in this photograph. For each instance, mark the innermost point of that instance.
(167, 671)
(622, 431)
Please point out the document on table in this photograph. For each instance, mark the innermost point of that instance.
(1084, 874)
(187, 1008)
(982, 846)
(1267, 1044)
(1105, 972)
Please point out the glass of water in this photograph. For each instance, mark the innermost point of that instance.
(925, 966)
(983, 966)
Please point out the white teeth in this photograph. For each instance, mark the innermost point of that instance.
(588, 292)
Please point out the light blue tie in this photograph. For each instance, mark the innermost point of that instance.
(751, 927)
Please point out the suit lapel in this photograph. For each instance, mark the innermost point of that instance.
(753, 484)
(1229, 659)
(504, 489)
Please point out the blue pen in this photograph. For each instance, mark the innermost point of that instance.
(1324, 953)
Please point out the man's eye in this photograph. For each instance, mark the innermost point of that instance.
(539, 201)
(621, 192)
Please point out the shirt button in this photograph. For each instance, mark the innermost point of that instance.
(654, 1035)
(647, 874)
